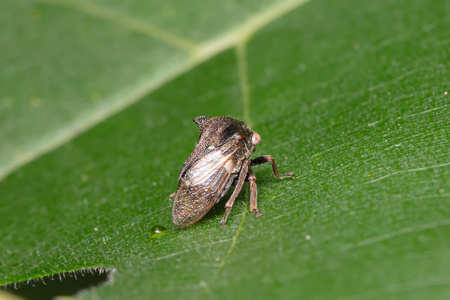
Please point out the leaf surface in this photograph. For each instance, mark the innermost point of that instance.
(350, 96)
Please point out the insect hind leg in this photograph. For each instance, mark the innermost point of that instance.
(267, 158)
(237, 189)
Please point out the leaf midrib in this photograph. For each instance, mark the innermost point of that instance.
(198, 53)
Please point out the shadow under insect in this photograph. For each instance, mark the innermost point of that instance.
(217, 211)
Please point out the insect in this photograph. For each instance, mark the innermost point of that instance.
(220, 159)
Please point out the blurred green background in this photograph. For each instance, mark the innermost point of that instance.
(96, 102)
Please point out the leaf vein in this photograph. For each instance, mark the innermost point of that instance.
(241, 54)
(229, 252)
(201, 53)
(127, 22)
(407, 171)
(402, 231)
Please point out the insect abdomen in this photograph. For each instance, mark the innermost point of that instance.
(191, 204)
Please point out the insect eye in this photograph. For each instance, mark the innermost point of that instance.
(256, 139)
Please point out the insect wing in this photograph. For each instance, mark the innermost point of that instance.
(207, 169)
(204, 183)
(210, 175)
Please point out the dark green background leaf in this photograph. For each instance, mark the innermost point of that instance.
(351, 96)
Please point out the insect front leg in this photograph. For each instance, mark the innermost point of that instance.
(267, 158)
(237, 189)
(171, 196)
(253, 192)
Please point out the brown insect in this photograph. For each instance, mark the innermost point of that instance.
(220, 159)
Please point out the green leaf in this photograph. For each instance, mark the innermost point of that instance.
(351, 96)
(67, 65)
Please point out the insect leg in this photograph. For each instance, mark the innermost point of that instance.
(237, 189)
(267, 158)
(171, 196)
(253, 192)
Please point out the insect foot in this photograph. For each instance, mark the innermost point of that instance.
(220, 159)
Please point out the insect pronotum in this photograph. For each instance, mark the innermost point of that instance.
(220, 159)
